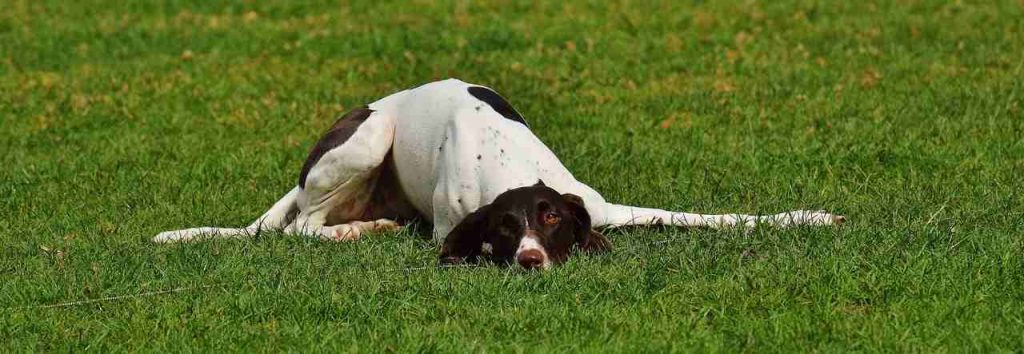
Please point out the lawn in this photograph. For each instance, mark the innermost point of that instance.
(118, 121)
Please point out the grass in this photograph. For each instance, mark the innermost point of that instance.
(118, 121)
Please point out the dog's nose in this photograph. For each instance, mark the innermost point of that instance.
(530, 259)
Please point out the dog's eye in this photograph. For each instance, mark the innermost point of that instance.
(552, 218)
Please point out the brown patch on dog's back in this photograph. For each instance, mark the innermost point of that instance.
(339, 133)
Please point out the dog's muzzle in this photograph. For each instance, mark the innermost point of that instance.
(531, 254)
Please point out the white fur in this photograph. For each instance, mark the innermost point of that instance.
(453, 154)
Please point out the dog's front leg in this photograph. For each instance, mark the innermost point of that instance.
(625, 215)
(446, 213)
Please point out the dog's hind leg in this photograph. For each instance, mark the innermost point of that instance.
(339, 178)
(624, 215)
(279, 216)
(335, 184)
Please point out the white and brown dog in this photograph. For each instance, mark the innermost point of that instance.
(458, 155)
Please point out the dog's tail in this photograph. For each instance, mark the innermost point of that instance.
(277, 218)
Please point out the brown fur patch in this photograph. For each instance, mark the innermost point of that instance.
(339, 133)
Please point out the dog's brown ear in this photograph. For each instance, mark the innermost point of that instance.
(466, 239)
(587, 240)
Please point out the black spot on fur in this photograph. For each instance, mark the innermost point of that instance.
(498, 103)
(339, 133)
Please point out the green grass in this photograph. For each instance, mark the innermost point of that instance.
(118, 121)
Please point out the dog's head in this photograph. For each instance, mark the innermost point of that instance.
(535, 226)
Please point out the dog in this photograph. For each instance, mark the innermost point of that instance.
(460, 156)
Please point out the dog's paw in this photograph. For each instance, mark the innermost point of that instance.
(806, 217)
(343, 232)
(355, 230)
(387, 225)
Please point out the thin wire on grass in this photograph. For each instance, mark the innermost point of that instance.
(114, 298)
(208, 286)
(190, 288)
